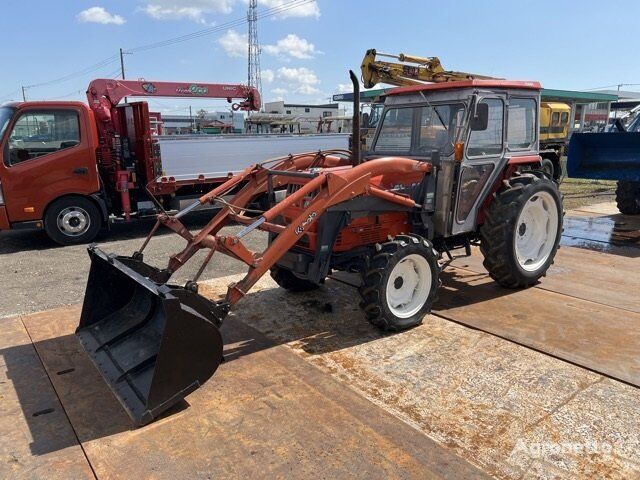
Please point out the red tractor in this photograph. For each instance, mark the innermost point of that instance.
(452, 164)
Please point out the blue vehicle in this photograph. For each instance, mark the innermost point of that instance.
(610, 156)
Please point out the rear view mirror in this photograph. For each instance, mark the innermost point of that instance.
(480, 118)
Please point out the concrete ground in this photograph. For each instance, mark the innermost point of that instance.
(38, 274)
(540, 383)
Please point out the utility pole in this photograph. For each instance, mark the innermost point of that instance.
(24, 95)
(122, 63)
(190, 119)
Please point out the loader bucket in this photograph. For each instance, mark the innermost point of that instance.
(604, 156)
(152, 343)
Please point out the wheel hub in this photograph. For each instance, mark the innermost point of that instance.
(73, 221)
(537, 230)
(408, 286)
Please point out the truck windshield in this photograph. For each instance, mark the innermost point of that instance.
(419, 130)
(5, 116)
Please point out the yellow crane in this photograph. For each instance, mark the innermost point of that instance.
(413, 70)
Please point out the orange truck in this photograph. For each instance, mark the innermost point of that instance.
(68, 167)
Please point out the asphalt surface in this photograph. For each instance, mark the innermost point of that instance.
(37, 274)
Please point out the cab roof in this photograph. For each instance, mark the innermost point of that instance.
(492, 83)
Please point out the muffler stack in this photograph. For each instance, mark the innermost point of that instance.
(152, 343)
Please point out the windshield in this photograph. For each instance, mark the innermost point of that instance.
(419, 130)
(5, 116)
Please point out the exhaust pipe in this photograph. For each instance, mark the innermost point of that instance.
(355, 142)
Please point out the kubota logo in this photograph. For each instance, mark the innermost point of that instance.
(309, 219)
(193, 89)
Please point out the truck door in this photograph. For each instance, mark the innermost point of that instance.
(47, 152)
(484, 153)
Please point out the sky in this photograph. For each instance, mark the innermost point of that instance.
(56, 47)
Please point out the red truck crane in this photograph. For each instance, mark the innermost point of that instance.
(68, 167)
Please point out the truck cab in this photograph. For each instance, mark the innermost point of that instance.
(47, 158)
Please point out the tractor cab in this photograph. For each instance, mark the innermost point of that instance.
(471, 131)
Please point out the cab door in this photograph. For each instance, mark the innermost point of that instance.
(484, 154)
(47, 152)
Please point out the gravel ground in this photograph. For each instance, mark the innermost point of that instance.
(37, 274)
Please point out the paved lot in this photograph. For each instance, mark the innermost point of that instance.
(38, 274)
(536, 383)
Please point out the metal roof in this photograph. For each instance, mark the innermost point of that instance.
(529, 85)
(548, 94)
(576, 96)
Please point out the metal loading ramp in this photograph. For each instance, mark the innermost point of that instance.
(309, 388)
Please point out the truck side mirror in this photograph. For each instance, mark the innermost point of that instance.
(480, 118)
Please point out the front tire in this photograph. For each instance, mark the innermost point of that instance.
(72, 221)
(522, 230)
(628, 197)
(400, 283)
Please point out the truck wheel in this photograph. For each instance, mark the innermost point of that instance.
(521, 232)
(628, 197)
(400, 283)
(72, 220)
(287, 280)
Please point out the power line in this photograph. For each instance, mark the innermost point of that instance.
(171, 41)
(84, 71)
(222, 27)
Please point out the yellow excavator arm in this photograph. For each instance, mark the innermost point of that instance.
(412, 70)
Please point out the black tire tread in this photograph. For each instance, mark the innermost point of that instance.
(373, 276)
(497, 232)
(628, 197)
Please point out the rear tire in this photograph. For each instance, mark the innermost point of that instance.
(546, 165)
(628, 197)
(400, 283)
(287, 280)
(72, 221)
(522, 230)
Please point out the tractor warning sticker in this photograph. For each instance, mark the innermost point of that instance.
(300, 228)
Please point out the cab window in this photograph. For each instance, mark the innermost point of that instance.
(521, 126)
(396, 130)
(435, 129)
(555, 118)
(36, 134)
(564, 118)
(488, 141)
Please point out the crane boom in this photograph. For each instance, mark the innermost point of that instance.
(115, 90)
(412, 70)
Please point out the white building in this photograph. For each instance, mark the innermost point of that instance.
(185, 124)
(308, 116)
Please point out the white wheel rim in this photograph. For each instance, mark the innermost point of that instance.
(536, 231)
(408, 286)
(73, 221)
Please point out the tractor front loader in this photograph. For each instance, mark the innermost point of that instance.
(446, 170)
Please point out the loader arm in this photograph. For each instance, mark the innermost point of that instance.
(412, 70)
(328, 187)
(153, 342)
